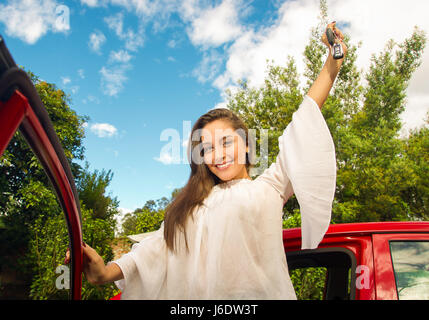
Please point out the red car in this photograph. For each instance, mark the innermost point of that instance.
(368, 261)
(362, 261)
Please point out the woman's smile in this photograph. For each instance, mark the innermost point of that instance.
(224, 166)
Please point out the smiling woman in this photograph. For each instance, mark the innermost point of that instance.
(221, 237)
(225, 152)
(218, 138)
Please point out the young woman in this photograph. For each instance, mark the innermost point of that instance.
(222, 234)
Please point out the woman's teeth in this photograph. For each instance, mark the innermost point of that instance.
(223, 166)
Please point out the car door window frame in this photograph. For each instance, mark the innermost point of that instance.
(306, 254)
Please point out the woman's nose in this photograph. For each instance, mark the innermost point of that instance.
(220, 154)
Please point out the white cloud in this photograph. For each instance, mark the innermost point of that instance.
(93, 99)
(96, 40)
(121, 56)
(115, 23)
(172, 43)
(91, 3)
(74, 89)
(170, 185)
(113, 79)
(167, 159)
(209, 66)
(103, 130)
(133, 40)
(247, 56)
(212, 26)
(81, 73)
(65, 80)
(29, 20)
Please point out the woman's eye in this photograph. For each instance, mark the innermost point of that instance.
(228, 142)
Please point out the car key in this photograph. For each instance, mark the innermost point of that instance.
(336, 48)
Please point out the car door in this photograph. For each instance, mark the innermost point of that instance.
(21, 109)
(401, 266)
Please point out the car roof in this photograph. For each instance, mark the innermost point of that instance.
(366, 228)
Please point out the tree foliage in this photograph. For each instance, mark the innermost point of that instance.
(34, 235)
(148, 218)
(49, 240)
(92, 188)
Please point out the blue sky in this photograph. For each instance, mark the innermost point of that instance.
(138, 68)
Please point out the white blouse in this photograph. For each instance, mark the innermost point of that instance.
(235, 239)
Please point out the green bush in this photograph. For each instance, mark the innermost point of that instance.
(47, 248)
(309, 283)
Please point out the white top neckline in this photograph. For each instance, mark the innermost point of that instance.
(231, 182)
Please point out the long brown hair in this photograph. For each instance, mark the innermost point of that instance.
(201, 179)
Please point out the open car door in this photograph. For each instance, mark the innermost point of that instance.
(22, 109)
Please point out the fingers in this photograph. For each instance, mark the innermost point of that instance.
(336, 31)
(67, 258)
(89, 254)
(339, 34)
(332, 24)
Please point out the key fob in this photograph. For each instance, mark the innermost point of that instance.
(337, 51)
(336, 48)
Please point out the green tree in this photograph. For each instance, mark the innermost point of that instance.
(34, 235)
(417, 151)
(373, 169)
(48, 244)
(148, 218)
(92, 188)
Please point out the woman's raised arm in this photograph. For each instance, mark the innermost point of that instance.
(321, 87)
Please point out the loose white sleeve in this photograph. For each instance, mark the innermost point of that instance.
(306, 166)
(144, 268)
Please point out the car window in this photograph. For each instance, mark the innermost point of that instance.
(411, 267)
(309, 282)
(327, 273)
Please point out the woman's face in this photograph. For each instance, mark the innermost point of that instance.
(224, 151)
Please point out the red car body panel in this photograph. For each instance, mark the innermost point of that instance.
(369, 242)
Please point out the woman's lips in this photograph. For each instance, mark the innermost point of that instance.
(224, 166)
